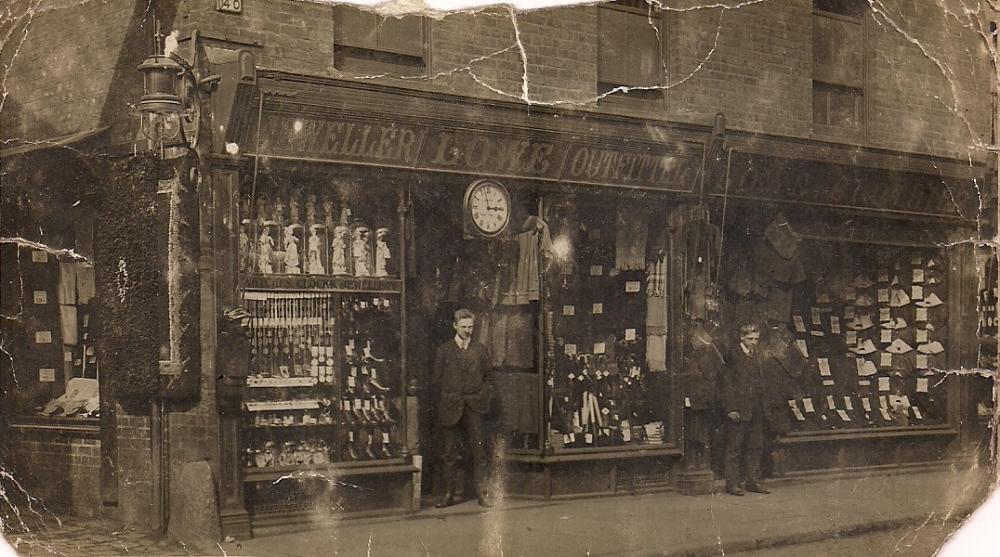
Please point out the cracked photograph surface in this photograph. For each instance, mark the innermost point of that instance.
(633, 277)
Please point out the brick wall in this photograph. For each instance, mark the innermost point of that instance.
(135, 470)
(753, 63)
(62, 470)
(928, 82)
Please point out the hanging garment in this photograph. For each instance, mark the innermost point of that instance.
(498, 339)
(519, 341)
(68, 325)
(631, 232)
(86, 283)
(533, 243)
(656, 352)
(656, 300)
(67, 283)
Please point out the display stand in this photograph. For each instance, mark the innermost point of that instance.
(321, 422)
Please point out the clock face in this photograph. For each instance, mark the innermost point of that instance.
(489, 207)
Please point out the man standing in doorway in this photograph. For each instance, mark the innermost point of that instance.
(465, 397)
(744, 405)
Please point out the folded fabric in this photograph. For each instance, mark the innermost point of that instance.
(930, 348)
(865, 346)
(898, 298)
(895, 280)
(899, 346)
(895, 323)
(929, 301)
(861, 322)
(86, 283)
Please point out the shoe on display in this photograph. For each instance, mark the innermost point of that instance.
(734, 490)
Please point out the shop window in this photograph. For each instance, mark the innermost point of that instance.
(607, 384)
(367, 42)
(868, 326)
(320, 280)
(838, 66)
(49, 368)
(629, 51)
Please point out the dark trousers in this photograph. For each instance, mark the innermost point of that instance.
(471, 427)
(744, 441)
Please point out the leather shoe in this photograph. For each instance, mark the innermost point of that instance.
(446, 501)
(757, 488)
(485, 501)
(734, 490)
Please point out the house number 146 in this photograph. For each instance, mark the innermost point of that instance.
(231, 6)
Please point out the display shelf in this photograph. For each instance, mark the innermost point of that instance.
(279, 405)
(387, 466)
(321, 283)
(252, 427)
(282, 382)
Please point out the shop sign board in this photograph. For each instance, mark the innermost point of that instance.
(767, 177)
(478, 152)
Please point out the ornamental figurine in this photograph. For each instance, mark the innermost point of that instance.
(361, 252)
(293, 210)
(315, 264)
(310, 210)
(279, 212)
(338, 254)
(265, 250)
(291, 251)
(328, 213)
(382, 255)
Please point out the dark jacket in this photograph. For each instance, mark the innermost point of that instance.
(742, 384)
(702, 369)
(461, 380)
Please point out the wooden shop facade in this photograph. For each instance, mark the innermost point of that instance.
(356, 218)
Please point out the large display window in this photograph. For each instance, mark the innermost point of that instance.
(606, 324)
(860, 330)
(319, 275)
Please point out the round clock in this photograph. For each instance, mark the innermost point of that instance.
(487, 207)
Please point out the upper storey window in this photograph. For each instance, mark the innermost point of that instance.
(839, 66)
(370, 43)
(628, 51)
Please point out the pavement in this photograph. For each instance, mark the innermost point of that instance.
(663, 524)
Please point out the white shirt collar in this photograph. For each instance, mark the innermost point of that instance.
(745, 349)
(462, 344)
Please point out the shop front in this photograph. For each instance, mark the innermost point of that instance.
(360, 218)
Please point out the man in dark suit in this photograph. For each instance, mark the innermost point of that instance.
(466, 394)
(743, 399)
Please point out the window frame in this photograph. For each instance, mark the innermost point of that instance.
(861, 132)
(635, 96)
(362, 60)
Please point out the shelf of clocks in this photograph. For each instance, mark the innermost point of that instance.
(322, 283)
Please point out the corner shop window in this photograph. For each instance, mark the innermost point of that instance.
(50, 367)
(607, 345)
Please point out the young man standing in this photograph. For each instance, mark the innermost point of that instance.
(743, 398)
(465, 397)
